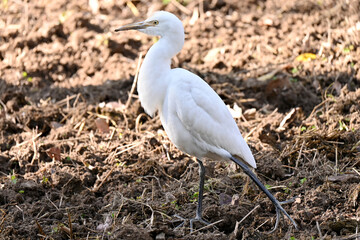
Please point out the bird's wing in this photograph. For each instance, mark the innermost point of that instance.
(203, 113)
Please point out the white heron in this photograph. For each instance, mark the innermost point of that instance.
(192, 114)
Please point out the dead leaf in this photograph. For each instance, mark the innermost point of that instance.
(267, 76)
(102, 125)
(275, 87)
(211, 55)
(288, 118)
(250, 113)
(236, 111)
(306, 57)
(54, 153)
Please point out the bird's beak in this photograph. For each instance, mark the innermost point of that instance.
(134, 26)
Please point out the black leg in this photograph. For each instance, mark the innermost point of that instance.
(198, 217)
(279, 209)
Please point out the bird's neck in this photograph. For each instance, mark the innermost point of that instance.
(154, 74)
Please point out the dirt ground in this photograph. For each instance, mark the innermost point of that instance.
(81, 160)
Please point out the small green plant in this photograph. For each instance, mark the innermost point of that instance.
(294, 70)
(292, 238)
(342, 126)
(267, 186)
(303, 128)
(329, 95)
(303, 180)
(55, 229)
(194, 197)
(348, 49)
(174, 203)
(138, 180)
(44, 180)
(13, 178)
(166, 2)
(21, 191)
(25, 76)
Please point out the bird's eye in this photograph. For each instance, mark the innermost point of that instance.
(156, 22)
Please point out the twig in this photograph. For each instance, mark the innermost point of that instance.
(96, 188)
(65, 100)
(207, 226)
(318, 228)
(134, 83)
(133, 8)
(76, 100)
(35, 151)
(30, 140)
(52, 202)
(137, 122)
(356, 171)
(70, 226)
(261, 225)
(249, 134)
(353, 236)
(3, 104)
(298, 159)
(317, 106)
(40, 229)
(3, 218)
(181, 7)
(257, 206)
(336, 161)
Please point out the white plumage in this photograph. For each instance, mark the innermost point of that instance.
(192, 114)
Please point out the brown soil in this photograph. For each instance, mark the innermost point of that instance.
(77, 162)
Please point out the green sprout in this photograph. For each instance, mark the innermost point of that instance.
(13, 178)
(303, 180)
(294, 70)
(44, 180)
(194, 197)
(342, 126)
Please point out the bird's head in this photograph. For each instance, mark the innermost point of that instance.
(161, 23)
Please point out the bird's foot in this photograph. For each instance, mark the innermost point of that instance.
(192, 221)
(279, 213)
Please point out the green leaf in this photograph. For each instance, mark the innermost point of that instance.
(302, 181)
(294, 70)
